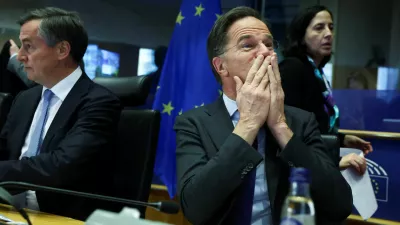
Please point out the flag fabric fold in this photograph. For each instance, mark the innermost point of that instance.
(186, 80)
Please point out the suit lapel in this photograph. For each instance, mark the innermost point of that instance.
(25, 119)
(220, 123)
(67, 108)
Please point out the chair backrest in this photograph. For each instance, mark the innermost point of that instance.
(137, 143)
(137, 139)
(333, 144)
(5, 106)
(132, 91)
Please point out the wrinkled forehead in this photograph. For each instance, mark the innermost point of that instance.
(248, 27)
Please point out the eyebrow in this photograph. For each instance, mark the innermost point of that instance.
(244, 37)
(322, 23)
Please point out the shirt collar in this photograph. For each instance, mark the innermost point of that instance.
(230, 105)
(62, 88)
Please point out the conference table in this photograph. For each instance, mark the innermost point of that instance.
(37, 217)
(160, 193)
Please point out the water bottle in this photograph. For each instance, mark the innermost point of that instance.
(298, 208)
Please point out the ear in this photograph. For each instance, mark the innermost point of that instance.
(63, 50)
(220, 67)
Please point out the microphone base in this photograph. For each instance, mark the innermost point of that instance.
(127, 216)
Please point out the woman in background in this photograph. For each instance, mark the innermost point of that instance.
(307, 49)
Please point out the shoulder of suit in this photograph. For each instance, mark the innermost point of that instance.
(31, 91)
(295, 68)
(194, 112)
(293, 63)
(201, 112)
(296, 113)
(98, 90)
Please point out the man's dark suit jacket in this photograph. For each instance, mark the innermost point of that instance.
(211, 160)
(77, 150)
(303, 90)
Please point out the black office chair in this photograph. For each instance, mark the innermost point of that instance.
(333, 144)
(137, 140)
(132, 91)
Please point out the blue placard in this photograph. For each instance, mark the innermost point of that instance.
(383, 166)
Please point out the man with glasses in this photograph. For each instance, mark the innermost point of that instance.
(234, 155)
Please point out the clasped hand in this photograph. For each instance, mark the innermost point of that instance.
(260, 98)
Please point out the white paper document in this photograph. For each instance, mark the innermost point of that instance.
(363, 194)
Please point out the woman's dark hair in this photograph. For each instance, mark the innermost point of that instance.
(294, 44)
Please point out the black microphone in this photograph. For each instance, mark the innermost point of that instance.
(162, 206)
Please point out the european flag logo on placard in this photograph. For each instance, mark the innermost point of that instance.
(379, 180)
(380, 185)
(186, 80)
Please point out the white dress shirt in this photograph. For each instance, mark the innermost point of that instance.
(60, 91)
(261, 211)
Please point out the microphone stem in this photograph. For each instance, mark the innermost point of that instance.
(89, 195)
(156, 206)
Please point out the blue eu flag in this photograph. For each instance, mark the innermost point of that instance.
(186, 79)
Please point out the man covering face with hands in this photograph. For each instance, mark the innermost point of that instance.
(260, 100)
(234, 155)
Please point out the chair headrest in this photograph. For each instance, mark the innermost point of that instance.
(132, 91)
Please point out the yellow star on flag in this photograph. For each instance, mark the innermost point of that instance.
(158, 87)
(180, 112)
(180, 18)
(218, 15)
(168, 108)
(199, 9)
(220, 92)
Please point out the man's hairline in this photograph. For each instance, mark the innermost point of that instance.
(228, 36)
